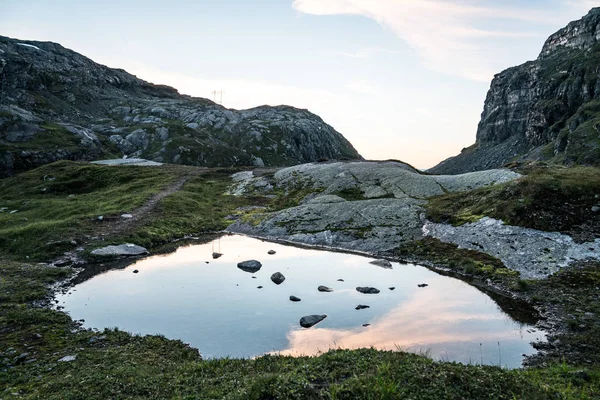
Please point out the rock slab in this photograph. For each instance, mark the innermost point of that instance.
(126, 249)
(311, 320)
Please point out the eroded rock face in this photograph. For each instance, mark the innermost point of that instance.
(543, 109)
(86, 110)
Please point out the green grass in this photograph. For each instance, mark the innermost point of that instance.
(201, 206)
(115, 364)
(465, 262)
(548, 199)
(60, 202)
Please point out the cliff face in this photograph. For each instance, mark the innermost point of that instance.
(547, 109)
(57, 104)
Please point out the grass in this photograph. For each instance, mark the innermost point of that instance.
(465, 262)
(547, 198)
(115, 364)
(199, 207)
(60, 202)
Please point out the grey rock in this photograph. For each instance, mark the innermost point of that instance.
(126, 249)
(259, 287)
(534, 254)
(367, 290)
(250, 266)
(20, 358)
(422, 285)
(324, 289)
(141, 119)
(517, 123)
(361, 307)
(126, 216)
(595, 209)
(365, 325)
(277, 278)
(311, 320)
(371, 225)
(382, 263)
(392, 288)
(295, 299)
(271, 252)
(216, 255)
(68, 358)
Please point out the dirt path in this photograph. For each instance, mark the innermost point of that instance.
(116, 224)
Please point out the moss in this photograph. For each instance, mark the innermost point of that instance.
(351, 194)
(60, 202)
(548, 198)
(463, 261)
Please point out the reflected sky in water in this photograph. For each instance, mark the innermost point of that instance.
(218, 308)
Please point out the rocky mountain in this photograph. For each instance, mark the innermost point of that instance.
(57, 104)
(547, 109)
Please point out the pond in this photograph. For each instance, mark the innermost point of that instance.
(220, 309)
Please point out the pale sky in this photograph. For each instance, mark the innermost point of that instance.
(402, 79)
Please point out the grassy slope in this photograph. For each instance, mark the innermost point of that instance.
(548, 199)
(115, 364)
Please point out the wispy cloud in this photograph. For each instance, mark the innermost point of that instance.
(365, 52)
(363, 87)
(448, 34)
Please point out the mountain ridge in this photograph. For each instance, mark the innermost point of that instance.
(543, 110)
(58, 104)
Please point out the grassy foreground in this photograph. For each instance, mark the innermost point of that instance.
(116, 364)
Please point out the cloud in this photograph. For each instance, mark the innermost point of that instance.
(366, 52)
(362, 87)
(448, 35)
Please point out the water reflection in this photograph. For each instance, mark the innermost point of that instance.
(219, 309)
(442, 324)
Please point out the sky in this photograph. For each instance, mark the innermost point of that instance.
(400, 79)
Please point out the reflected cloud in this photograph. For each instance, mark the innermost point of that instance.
(428, 319)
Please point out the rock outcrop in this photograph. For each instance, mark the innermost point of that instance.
(366, 206)
(57, 104)
(547, 109)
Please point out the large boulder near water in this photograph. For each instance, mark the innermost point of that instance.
(311, 320)
(250, 266)
(324, 289)
(126, 249)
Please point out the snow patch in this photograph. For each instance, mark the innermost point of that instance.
(28, 45)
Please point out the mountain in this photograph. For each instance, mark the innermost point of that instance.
(57, 104)
(547, 109)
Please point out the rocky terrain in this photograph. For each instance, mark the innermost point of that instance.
(57, 104)
(547, 109)
(375, 207)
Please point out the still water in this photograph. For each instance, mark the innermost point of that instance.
(219, 308)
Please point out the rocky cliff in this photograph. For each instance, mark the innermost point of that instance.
(547, 109)
(57, 104)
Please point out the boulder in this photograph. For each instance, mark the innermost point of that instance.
(324, 289)
(250, 266)
(271, 252)
(294, 298)
(277, 278)
(382, 263)
(367, 290)
(361, 307)
(126, 249)
(311, 320)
